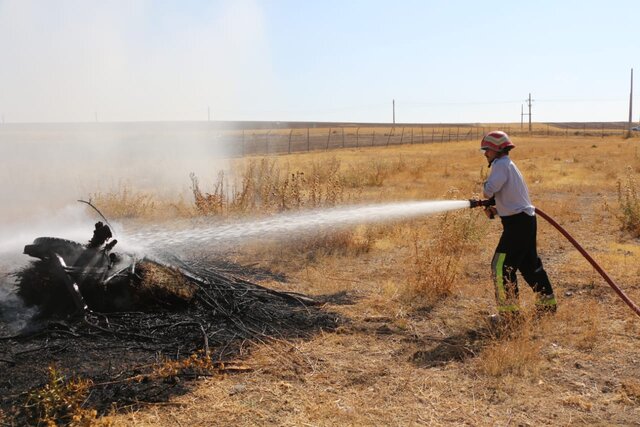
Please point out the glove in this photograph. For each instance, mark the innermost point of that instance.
(490, 212)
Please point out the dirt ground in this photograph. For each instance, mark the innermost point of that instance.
(402, 357)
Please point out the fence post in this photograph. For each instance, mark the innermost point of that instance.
(433, 132)
(328, 138)
(402, 135)
(268, 140)
(308, 147)
(422, 133)
(342, 137)
(442, 139)
(458, 134)
(603, 130)
(373, 137)
(357, 137)
(411, 136)
(388, 139)
(290, 132)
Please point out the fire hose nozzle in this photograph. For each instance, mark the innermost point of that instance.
(474, 203)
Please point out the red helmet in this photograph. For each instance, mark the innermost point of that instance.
(496, 141)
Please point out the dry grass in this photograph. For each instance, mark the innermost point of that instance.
(416, 349)
(514, 355)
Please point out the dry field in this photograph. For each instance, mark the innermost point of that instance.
(315, 137)
(415, 347)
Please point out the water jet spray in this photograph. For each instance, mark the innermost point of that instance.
(292, 225)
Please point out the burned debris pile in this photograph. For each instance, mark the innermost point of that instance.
(107, 316)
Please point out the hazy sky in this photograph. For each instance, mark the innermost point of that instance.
(342, 60)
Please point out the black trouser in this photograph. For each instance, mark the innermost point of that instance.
(517, 251)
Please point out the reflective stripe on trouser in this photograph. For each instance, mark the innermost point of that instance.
(546, 301)
(505, 286)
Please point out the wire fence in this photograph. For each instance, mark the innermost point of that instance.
(297, 140)
(271, 138)
(294, 140)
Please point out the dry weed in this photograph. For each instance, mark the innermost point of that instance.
(629, 204)
(436, 261)
(125, 204)
(61, 401)
(264, 187)
(630, 390)
(378, 171)
(209, 203)
(433, 274)
(578, 402)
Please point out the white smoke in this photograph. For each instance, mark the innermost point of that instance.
(83, 61)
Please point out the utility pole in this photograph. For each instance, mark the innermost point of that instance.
(521, 116)
(394, 111)
(630, 105)
(529, 104)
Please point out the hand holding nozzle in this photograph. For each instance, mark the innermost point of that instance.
(490, 212)
(488, 205)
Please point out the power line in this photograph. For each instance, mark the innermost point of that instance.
(460, 103)
(579, 100)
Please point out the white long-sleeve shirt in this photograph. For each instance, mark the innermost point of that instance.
(505, 182)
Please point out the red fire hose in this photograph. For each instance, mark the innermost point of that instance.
(595, 265)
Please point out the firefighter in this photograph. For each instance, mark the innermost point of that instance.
(516, 249)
